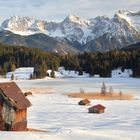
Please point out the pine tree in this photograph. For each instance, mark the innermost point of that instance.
(1, 70)
(80, 72)
(12, 77)
(13, 67)
(52, 74)
(31, 76)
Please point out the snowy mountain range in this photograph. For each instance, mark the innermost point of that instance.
(100, 33)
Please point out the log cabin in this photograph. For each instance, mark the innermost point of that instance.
(84, 102)
(97, 109)
(13, 108)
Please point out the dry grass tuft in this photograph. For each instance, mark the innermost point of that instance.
(98, 96)
(37, 90)
(35, 130)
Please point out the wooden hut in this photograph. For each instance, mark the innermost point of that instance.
(97, 109)
(84, 102)
(13, 108)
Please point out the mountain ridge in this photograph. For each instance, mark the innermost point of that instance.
(39, 40)
(99, 32)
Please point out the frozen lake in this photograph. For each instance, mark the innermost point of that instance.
(66, 120)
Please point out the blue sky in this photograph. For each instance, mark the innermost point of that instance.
(57, 10)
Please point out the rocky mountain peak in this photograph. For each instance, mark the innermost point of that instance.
(76, 20)
(133, 18)
(17, 23)
(23, 25)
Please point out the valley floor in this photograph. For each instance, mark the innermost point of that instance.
(66, 120)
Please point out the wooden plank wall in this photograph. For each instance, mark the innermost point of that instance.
(20, 115)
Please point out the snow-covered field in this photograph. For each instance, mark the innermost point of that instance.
(122, 74)
(26, 72)
(65, 120)
(21, 73)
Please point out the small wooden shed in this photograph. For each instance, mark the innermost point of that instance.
(84, 102)
(13, 108)
(97, 109)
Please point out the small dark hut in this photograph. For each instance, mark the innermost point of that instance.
(84, 102)
(13, 108)
(96, 109)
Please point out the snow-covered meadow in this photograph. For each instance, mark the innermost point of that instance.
(21, 73)
(65, 120)
(26, 72)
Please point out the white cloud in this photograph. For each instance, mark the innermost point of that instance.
(58, 9)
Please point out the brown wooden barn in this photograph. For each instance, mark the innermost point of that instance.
(13, 108)
(84, 102)
(97, 109)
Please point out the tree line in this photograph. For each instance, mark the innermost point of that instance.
(12, 57)
(103, 63)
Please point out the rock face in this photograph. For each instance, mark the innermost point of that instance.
(23, 25)
(96, 34)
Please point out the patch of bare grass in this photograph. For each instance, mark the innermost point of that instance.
(38, 90)
(98, 96)
(35, 130)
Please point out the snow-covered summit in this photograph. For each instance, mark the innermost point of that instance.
(133, 18)
(23, 25)
(75, 19)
